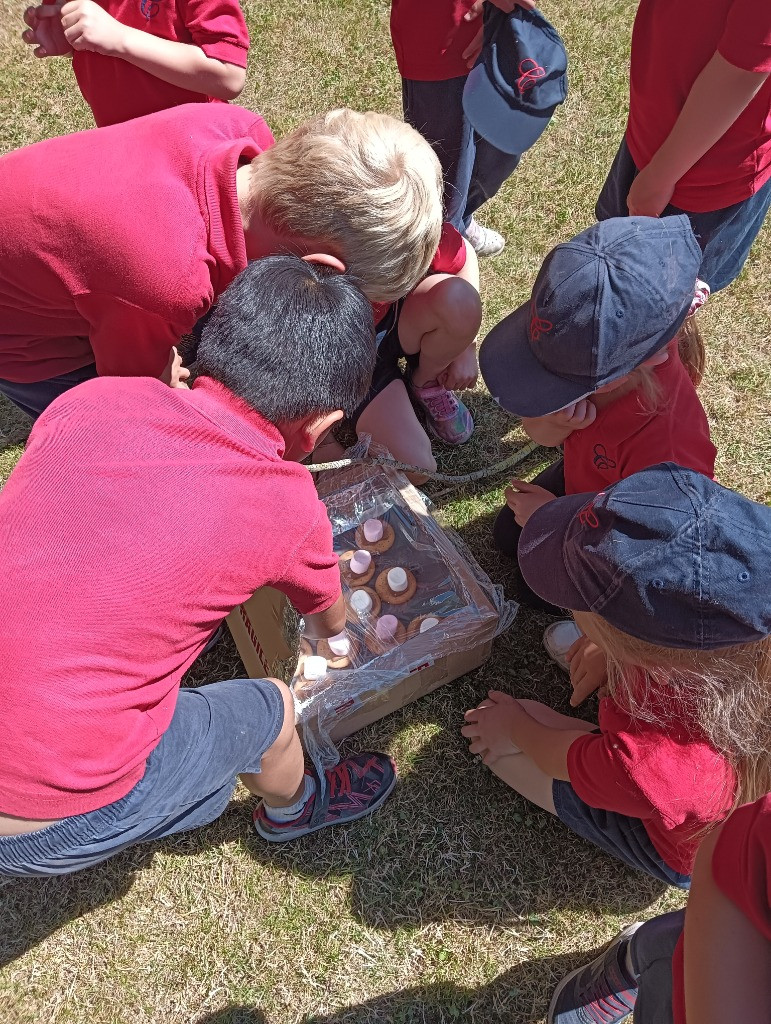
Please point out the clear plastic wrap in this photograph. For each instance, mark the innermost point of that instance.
(370, 669)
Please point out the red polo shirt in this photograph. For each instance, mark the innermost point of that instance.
(627, 436)
(675, 783)
(672, 42)
(118, 91)
(429, 37)
(115, 241)
(741, 869)
(137, 519)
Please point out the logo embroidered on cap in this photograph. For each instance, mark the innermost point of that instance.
(601, 458)
(529, 73)
(587, 516)
(538, 325)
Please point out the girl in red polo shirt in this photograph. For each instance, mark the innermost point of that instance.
(135, 57)
(667, 572)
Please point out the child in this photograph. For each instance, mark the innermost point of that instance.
(134, 57)
(592, 362)
(183, 504)
(667, 573)
(698, 139)
(435, 45)
(716, 969)
(435, 328)
(155, 217)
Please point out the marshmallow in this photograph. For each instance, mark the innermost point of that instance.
(315, 667)
(397, 580)
(360, 562)
(373, 531)
(386, 627)
(340, 645)
(361, 602)
(428, 623)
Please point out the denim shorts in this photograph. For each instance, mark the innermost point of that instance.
(725, 236)
(622, 837)
(217, 732)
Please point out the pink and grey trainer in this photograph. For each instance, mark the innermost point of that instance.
(446, 416)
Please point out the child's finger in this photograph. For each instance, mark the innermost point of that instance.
(49, 11)
(574, 648)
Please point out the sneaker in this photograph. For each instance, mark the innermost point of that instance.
(355, 788)
(558, 638)
(484, 241)
(446, 416)
(602, 992)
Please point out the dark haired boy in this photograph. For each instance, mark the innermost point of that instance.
(138, 517)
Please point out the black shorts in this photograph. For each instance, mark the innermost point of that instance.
(389, 352)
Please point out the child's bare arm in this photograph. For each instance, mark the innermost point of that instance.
(727, 960)
(326, 623)
(552, 430)
(717, 98)
(87, 26)
(175, 374)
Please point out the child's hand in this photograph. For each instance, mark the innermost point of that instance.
(523, 499)
(472, 51)
(650, 193)
(490, 727)
(588, 669)
(576, 416)
(462, 371)
(45, 31)
(87, 26)
(175, 373)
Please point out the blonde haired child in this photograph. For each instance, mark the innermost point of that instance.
(666, 572)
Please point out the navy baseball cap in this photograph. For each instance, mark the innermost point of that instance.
(518, 81)
(602, 304)
(665, 555)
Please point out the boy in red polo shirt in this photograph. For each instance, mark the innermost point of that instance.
(116, 241)
(698, 138)
(134, 57)
(435, 42)
(137, 518)
(706, 965)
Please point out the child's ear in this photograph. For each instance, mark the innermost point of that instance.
(316, 427)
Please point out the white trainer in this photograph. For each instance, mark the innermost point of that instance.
(558, 638)
(484, 241)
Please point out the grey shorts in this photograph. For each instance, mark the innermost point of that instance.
(217, 732)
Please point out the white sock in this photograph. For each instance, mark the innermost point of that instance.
(294, 810)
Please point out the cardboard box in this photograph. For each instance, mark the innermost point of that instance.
(347, 700)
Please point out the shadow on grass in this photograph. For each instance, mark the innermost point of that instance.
(518, 996)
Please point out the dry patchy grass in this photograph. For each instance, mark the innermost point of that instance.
(457, 900)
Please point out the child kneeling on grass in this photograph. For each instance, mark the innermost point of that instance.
(138, 517)
(708, 964)
(667, 572)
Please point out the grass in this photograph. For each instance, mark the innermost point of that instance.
(457, 900)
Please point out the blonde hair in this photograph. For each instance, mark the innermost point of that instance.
(368, 184)
(724, 695)
(690, 349)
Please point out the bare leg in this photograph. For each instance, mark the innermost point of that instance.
(281, 780)
(521, 773)
(391, 421)
(440, 320)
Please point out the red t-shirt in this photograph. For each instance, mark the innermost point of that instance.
(450, 258)
(672, 42)
(429, 37)
(116, 240)
(741, 868)
(118, 91)
(675, 783)
(137, 519)
(627, 437)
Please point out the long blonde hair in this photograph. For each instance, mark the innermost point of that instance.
(690, 349)
(724, 696)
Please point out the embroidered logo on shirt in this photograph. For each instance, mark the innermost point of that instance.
(529, 73)
(149, 8)
(601, 458)
(538, 325)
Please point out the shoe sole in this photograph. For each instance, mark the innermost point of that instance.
(287, 837)
(556, 657)
(625, 935)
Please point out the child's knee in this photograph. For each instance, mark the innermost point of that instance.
(461, 304)
(287, 734)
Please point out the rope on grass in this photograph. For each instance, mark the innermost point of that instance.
(446, 478)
